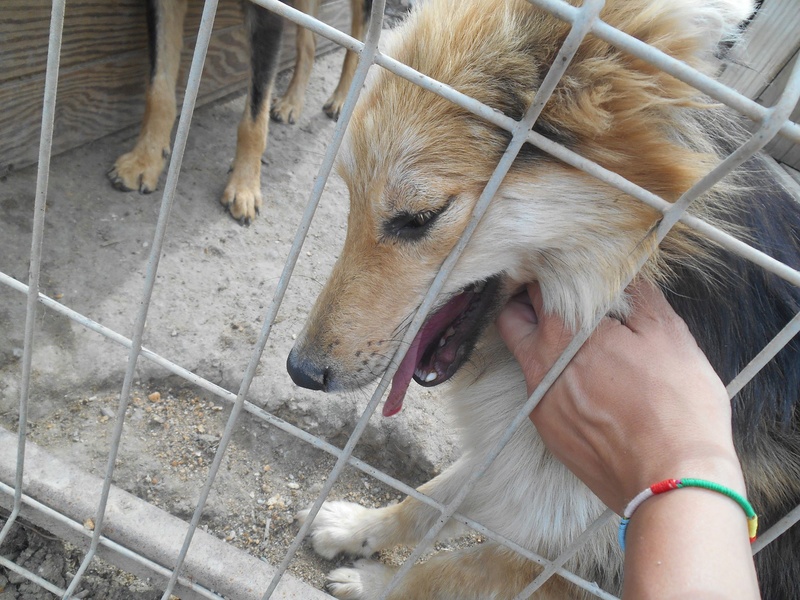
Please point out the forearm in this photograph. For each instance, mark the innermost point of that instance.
(672, 533)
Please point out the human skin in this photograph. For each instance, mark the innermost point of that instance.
(638, 404)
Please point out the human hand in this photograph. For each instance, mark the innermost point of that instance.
(638, 404)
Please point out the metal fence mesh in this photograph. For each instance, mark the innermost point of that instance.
(584, 21)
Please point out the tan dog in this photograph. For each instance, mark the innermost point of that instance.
(415, 165)
(140, 169)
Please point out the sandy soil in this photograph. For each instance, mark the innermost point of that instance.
(216, 279)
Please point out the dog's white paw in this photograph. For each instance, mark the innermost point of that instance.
(365, 580)
(342, 528)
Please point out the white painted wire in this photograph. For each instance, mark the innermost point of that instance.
(170, 186)
(37, 237)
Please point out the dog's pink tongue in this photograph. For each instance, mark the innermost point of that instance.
(402, 379)
(405, 372)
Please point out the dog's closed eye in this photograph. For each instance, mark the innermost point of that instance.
(414, 225)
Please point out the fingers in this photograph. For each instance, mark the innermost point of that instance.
(534, 291)
(522, 308)
(517, 325)
(649, 304)
(534, 337)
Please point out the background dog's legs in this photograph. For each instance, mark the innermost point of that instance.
(242, 195)
(141, 168)
(360, 16)
(288, 108)
(484, 571)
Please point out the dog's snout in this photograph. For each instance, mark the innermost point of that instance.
(305, 373)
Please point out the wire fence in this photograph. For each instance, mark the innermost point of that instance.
(584, 21)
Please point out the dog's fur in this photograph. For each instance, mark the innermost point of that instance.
(140, 169)
(415, 165)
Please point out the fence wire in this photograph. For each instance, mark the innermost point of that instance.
(42, 180)
(584, 20)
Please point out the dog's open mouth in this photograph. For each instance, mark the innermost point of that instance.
(444, 342)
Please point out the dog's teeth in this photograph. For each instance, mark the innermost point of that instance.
(449, 332)
(442, 342)
(426, 376)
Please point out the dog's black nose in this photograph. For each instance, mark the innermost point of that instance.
(305, 373)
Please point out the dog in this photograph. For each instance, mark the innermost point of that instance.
(140, 169)
(415, 165)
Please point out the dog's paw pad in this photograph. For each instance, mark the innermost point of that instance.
(341, 528)
(363, 581)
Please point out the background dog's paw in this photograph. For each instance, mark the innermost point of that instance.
(138, 170)
(333, 107)
(242, 195)
(363, 581)
(341, 528)
(286, 110)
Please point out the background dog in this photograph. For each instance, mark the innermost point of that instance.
(415, 165)
(141, 168)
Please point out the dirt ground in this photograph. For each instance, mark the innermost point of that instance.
(216, 279)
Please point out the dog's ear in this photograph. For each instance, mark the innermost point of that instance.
(690, 30)
(621, 109)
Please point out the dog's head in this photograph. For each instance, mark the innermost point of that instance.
(415, 165)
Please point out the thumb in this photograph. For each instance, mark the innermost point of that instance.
(518, 326)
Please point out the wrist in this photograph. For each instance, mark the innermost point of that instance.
(672, 533)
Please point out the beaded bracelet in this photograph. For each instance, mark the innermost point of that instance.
(674, 484)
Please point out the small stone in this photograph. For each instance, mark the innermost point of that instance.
(275, 501)
(15, 579)
(154, 397)
(267, 525)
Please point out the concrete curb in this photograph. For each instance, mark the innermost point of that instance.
(134, 524)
